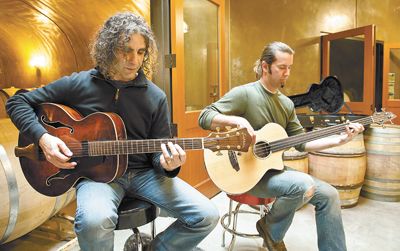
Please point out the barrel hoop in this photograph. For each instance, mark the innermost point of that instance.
(382, 180)
(380, 197)
(70, 196)
(338, 155)
(5, 94)
(388, 133)
(57, 206)
(381, 188)
(13, 195)
(353, 186)
(369, 151)
(294, 157)
(393, 139)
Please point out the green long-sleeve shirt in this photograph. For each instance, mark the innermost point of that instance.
(259, 106)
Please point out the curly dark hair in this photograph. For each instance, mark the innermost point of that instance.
(114, 35)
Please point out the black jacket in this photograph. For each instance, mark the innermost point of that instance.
(141, 104)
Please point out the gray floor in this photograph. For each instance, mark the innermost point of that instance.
(371, 225)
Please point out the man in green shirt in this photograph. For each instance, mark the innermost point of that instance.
(256, 104)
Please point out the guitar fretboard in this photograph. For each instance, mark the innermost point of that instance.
(285, 143)
(115, 147)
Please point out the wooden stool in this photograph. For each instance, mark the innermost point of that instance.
(133, 213)
(247, 199)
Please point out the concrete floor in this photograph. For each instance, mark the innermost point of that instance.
(371, 225)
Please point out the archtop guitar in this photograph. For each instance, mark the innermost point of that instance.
(100, 148)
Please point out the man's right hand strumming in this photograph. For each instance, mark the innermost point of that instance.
(56, 151)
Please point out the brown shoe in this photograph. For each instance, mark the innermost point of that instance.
(271, 245)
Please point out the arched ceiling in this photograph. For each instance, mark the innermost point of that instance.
(55, 33)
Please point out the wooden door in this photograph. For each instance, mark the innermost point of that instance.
(197, 40)
(359, 95)
(391, 79)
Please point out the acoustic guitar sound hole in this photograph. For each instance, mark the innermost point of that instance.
(261, 149)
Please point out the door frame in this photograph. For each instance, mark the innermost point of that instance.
(368, 104)
(392, 105)
(187, 120)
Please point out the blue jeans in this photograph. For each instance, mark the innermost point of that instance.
(97, 204)
(292, 190)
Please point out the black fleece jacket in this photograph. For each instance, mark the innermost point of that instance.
(140, 103)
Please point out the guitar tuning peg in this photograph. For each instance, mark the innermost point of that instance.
(228, 128)
(219, 153)
(217, 128)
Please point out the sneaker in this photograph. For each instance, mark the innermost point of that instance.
(271, 245)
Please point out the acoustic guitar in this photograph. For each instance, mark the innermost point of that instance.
(236, 172)
(100, 148)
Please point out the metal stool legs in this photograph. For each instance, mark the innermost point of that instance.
(233, 229)
(133, 213)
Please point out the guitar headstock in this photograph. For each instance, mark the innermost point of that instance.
(237, 139)
(382, 117)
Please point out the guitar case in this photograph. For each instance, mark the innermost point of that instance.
(326, 96)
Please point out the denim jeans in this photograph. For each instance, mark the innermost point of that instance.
(97, 204)
(290, 188)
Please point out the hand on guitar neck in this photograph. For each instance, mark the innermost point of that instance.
(350, 131)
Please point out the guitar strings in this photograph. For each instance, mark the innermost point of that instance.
(108, 147)
(285, 143)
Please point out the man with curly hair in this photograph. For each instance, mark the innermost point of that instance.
(123, 51)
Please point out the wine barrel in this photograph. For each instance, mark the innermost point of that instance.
(3, 99)
(296, 160)
(22, 209)
(343, 167)
(5, 94)
(382, 178)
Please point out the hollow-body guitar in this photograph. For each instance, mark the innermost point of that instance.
(100, 148)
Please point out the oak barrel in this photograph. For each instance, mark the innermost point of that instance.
(22, 209)
(343, 167)
(382, 179)
(3, 99)
(5, 94)
(296, 160)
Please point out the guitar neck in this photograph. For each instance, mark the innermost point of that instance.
(285, 143)
(115, 147)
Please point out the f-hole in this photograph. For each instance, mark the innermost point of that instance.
(55, 124)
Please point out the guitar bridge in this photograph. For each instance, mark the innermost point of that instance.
(233, 160)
